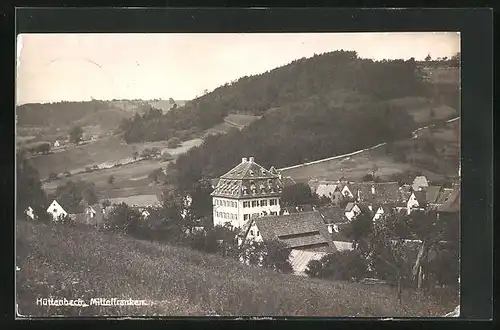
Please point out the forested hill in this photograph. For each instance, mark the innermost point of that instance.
(319, 76)
(293, 135)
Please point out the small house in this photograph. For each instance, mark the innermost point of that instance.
(30, 213)
(417, 200)
(57, 144)
(77, 212)
(351, 210)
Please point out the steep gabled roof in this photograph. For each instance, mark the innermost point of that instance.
(349, 206)
(297, 230)
(432, 193)
(327, 189)
(420, 181)
(445, 192)
(332, 214)
(421, 197)
(405, 192)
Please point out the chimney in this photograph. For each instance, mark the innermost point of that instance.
(251, 160)
(243, 160)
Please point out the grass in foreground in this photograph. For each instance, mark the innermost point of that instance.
(64, 262)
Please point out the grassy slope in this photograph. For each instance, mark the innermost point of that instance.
(356, 166)
(69, 263)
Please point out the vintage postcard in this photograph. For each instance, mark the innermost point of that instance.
(238, 174)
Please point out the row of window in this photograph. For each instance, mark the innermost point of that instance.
(253, 215)
(225, 215)
(263, 202)
(226, 203)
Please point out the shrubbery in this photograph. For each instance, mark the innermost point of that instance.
(342, 266)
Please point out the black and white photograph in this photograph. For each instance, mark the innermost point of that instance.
(238, 174)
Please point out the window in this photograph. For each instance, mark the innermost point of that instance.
(224, 203)
(255, 203)
(274, 213)
(257, 233)
(246, 204)
(246, 216)
(251, 232)
(272, 202)
(54, 210)
(263, 203)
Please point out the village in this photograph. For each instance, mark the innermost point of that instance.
(317, 174)
(248, 198)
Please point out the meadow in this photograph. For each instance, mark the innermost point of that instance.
(129, 180)
(68, 262)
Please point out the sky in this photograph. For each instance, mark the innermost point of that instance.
(79, 67)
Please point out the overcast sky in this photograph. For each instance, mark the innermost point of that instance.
(75, 67)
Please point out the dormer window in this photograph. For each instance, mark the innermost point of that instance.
(251, 172)
(269, 181)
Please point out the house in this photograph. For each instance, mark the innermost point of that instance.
(417, 200)
(56, 210)
(304, 231)
(420, 183)
(384, 209)
(57, 144)
(287, 210)
(30, 213)
(332, 216)
(77, 212)
(246, 191)
(94, 215)
(327, 189)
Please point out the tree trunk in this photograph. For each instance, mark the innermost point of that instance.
(417, 271)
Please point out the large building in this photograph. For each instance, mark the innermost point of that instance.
(245, 192)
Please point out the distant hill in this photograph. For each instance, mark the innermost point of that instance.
(323, 106)
(107, 114)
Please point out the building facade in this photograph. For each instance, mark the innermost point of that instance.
(245, 192)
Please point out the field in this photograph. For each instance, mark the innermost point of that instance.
(240, 120)
(131, 179)
(164, 105)
(356, 166)
(423, 110)
(64, 262)
(103, 152)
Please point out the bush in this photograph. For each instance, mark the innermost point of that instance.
(342, 266)
(166, 156)
(53, 176)
(95, 167)
(111, 179)
(65, 220)
(67, 174)
(88, 169)
(174, 143)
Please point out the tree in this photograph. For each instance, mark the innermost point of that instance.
(43, 148)
(146, 153)
(76, 135)
(277, 256)
(123, 218)
(359, 229)
(29, 190)
(297, 194)
(342, 265)
(428, 58)
(105, 203)
(73, 193)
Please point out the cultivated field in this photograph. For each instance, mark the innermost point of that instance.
(131, 179)
(65, 262)
(423, 110)
(354, 168)
(103, 152)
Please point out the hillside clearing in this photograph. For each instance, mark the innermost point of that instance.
(65, 262)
